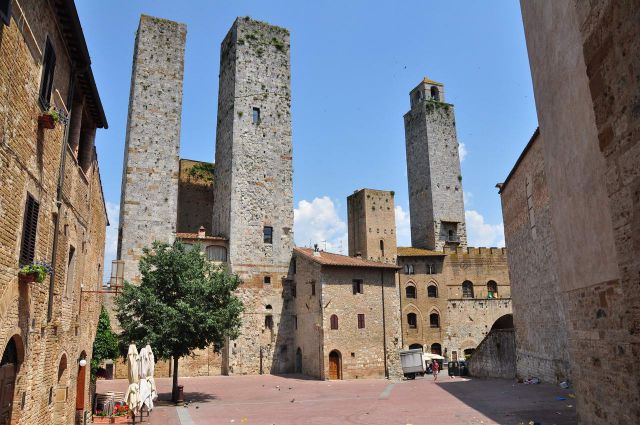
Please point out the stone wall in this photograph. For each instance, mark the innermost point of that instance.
(49, 348)
(253, 176)
(495, 356)
(372, 225)
(195, 197)
(533, 264)
(433, 170)
(586, 82)
(149, 195)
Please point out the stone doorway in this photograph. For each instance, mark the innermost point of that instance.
(335, 365)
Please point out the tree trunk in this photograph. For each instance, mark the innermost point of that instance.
(174, 389)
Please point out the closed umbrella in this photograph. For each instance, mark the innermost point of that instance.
(150, 371)
(144, 385)
(132, 397)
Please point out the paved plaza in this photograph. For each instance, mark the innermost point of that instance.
(282, 400)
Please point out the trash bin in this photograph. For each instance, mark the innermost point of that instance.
(463, 368)
(454, 369)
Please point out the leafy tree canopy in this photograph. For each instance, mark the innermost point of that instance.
(105, 345)
(183, 303)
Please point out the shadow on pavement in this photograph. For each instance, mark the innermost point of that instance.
(296, 376)
(164, 399)
(508, 402)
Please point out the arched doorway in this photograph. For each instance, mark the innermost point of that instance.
(335, 365)
(415, 347)
(80, 382)
(436, 349)
(299, 360)
(9, 365)
(503, 322)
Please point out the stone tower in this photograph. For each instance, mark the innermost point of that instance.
(372, 225)
(149, 195)
(253, 193)
(433, 167)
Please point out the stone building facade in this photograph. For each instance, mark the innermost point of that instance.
(372, 225)
(195, 203)
(346, 316)
(51, 208)
(585, 80)
(149, 195)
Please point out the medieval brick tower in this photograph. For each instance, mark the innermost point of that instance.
(253, 192)
(433, 167)
(150, 174)
(372, 225)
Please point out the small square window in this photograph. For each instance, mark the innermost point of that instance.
(358, 286)
(256, 115)
(267, 234)
(267, 280)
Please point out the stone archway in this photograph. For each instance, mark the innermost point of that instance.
(12, 358)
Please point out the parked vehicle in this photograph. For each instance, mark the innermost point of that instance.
(412, 363)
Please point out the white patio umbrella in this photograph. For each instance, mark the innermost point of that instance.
(150, 371)
(146, 393)
(132, 397)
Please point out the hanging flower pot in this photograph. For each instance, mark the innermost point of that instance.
(27, 277)
(49, 119)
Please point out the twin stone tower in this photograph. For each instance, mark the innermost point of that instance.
(253, 175)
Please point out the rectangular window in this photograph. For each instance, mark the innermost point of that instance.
(431, 269)
(358, 286)
(268, 322)
(313, 287)
(293, 290)
(71, 266)
(29, 230)
(256, 115)
(295, 322)
(360, 321)
(5, 11)
(267, 280)
(48, 68)
(267, 234)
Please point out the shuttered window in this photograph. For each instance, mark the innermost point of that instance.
(5, 11)
(360, 321)
(29, 229)
(48, 68)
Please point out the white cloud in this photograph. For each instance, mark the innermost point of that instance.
(480, 233)
(317, 222)
(111, 242)
(462, 151)
(403, 227)
(467, 197)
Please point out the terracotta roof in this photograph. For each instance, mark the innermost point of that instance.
(409, 251)
(330, 259)
(195, 236)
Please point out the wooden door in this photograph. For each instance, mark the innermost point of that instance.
(7, 384)
(334, 365)
(80, 387)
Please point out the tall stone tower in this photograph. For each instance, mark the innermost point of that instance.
(253, 191)
(372, 225)
(149, 195)
(433, 167)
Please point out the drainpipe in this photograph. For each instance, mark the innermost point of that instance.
(56, 226)
(384, 327)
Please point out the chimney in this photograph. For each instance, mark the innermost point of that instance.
(201, 232)
(359, 254)
(316, 250)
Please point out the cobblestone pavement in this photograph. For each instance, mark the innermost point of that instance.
(282, 400)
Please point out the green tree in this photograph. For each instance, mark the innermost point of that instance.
(184, 303)
(105, 345)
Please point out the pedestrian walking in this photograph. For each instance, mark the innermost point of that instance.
(436, 369)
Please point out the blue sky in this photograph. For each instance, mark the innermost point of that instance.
(353, 65)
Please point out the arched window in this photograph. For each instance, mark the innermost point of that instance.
(492, 289)
(435, 93)
(416, 347)
(434, 320)
(432, 291)
(216, 253)
(412, 320)
(436, 349)
(467, 289)
(410, 291)
(334, 322)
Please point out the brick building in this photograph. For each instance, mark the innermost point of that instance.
(51, 208)
(584, 169)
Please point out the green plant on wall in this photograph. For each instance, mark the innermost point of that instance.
(202, 171)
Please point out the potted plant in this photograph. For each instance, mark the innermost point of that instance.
(121, 414)
(101, 417)
(49, 119)
(35, 272)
